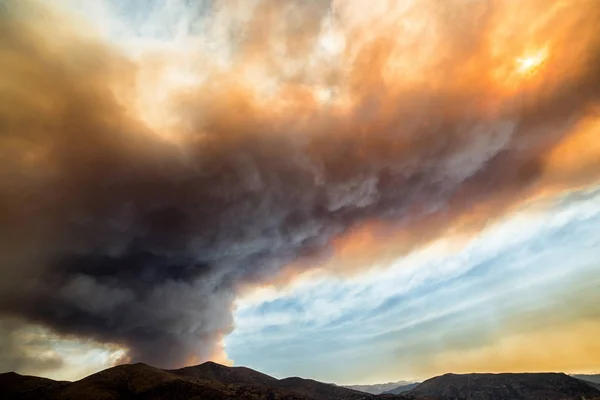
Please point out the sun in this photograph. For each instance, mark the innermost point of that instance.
(530, 63)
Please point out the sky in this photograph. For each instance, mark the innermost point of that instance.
(521, 296)
(348, 191)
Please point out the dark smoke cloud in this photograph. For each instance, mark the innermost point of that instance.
(111, 232)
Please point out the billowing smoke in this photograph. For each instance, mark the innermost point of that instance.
(133, 208)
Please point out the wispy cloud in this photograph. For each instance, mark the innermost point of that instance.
(433, 301)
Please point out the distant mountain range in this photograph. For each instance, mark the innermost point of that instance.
(380, 387)
(589, 378)
(402, 388)
(593, 380)
(211, 381)
(140, 381)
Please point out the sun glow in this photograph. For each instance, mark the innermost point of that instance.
(531, 63)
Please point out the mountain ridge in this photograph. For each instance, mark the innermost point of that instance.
(403, 388)
(379, 388)
(590, 379)
(204, 381)
(514, 386)
(212, 381)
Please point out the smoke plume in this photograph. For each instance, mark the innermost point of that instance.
(141, 191)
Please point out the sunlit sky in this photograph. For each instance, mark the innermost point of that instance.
(481, 255)
(521, 296)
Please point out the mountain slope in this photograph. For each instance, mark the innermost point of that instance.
(13, 385)
(379, 387)
(140, 381)
(212, 381)
(319, 390)
(590, 378)
(212, 371)
(123, 381)
(403, 388)
(540, 386)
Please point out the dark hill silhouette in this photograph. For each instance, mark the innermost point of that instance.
(123, 381)
(13, 385)
(212, 371)
(210, 381)
(532, 386)
(319, 390)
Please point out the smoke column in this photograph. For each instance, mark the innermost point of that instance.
(146, 183)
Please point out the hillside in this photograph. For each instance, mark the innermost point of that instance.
(212, 371)
(590, 378)
(309, 388)
(379, 387)
(140, 381)
(318, 390)
(13, 386)
(534, 386)
(210, 381)
(403, 388)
